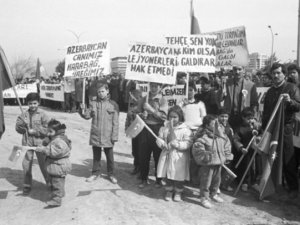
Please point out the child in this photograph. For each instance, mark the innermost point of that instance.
(135, 97)
(175, 140)
(57, 161)
(227, 130)
(104, 131)
(241, 139)
(211, 150)
(33, 126)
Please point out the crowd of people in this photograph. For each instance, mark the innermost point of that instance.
(191, 141)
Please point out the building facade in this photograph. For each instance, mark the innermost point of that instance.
(118, 65)
(257, 61)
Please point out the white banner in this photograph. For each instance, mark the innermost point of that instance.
(88, 60)
(152, 63)
(54, 92)
(231, 47)
(22, 90)
(198, 52)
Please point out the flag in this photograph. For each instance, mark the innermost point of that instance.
(272, 146)
(40, 70)
(6, 82)
(195, 29)
(135, 127)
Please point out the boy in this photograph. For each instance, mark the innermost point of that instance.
(33, 126)
(241, 139)
(104, 131)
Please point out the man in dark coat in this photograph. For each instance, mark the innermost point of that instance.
(291, 103)
(241, 93)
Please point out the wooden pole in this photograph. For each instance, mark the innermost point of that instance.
(83, 95)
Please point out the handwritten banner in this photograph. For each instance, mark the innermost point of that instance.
(54, 92)
(152, 63)
(197, 52)
(231, 47)
(22, 90)
(88, 60)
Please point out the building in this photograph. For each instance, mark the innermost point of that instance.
(257, 61)
(118, 65)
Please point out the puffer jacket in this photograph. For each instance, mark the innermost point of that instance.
(57, 155)
(105, 122)
(210, 149)
(37, 121)
(175, 163)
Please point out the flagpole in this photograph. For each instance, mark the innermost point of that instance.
(7, 67)
(148, 128)
(255, 151)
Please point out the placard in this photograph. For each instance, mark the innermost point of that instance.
(88, 60)
(232, 47)
(197, 52)
(22, 90)
(152, 63)
(54, 92)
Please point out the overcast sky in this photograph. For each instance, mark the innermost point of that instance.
(40, 28)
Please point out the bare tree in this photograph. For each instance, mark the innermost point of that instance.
(23, 67)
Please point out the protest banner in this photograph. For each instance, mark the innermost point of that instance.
(88, 60)
(54, 92)
(231, 47)
(173, 94)
(22, 90)
(152, 63)
(143, 88)
(197, 52)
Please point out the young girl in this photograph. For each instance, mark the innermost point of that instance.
(211, 150)
(175, 139)
(58, 164)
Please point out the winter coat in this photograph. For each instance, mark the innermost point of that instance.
(210, 149)
(37, 121)
(105, 122)
(175, 163)
(57, 155)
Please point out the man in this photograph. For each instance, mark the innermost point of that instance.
(291, 103)
(241, 93)
(154, 112)
(208, 96)
(69, 91)
(293, 74)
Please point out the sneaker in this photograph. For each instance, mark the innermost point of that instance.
(168, 196)
(26, 190)
(92, 178)
(53, 203)
(113, 179)
(158, 184)
(217, 198)
(206, 204)
(143, 184)
(244, 187)
(177, 197)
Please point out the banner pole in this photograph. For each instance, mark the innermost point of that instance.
(83, 95)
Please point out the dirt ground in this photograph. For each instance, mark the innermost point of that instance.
(124, 203)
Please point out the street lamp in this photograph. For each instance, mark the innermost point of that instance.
(76, 35)
(272, 43)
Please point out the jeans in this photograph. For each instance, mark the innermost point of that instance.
(210, 180)
(27, 167)
(97, 160)
(57, 188)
